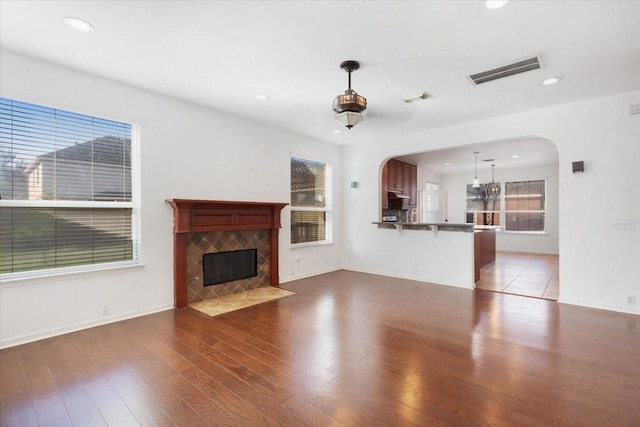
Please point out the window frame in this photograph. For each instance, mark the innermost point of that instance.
(542, 211)
(499, 211)
(133, 205)
(503, 208)
(327, 209)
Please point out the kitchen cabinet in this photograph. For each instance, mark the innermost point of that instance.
(399, 177)
(395, 176)
(385, 186)
(484, 242)
(410, 185)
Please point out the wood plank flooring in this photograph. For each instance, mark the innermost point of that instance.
(532, 275)
(350, 349)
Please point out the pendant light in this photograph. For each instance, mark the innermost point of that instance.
(476, 182)
(349, 107)
(493, 189)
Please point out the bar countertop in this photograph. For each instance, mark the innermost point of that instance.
(443, 226)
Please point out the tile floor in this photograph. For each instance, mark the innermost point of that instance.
(227, 303)
(533, 275)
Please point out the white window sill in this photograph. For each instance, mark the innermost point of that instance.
(310, 244)
(528, 233)
(43, 276)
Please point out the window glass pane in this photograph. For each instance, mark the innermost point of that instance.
(308, 183)
(525, 205)
(310, 214)
(484, 202)
(488, 218)
(49, 154)
(61, 156)
(43, 238)
(308, 226)
(526, 195)
(525, 221)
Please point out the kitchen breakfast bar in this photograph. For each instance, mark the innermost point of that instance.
(484, 239)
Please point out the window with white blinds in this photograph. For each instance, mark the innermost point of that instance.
(66, 191)
(310, 201)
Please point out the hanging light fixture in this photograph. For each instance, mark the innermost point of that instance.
(476, 182)
(349, 107)
(493, 188)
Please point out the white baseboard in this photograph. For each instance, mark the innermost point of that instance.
(304, 276)
(590, 304)
(24, 339)
(406, 276)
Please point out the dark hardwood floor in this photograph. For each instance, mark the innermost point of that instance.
(350, 349)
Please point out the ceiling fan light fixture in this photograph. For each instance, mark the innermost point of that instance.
(349, 118)
(349, 107)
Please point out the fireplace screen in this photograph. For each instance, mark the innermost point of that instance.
(223, 267)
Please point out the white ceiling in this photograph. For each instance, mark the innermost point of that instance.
(222, 53)
(505, 154)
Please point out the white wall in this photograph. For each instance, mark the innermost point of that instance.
(425, 175)
(187, 151)
(547, 243)
(599, 266)
(192, 152)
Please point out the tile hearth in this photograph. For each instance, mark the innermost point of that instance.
(232, 302)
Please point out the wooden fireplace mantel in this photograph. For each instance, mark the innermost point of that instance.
(201, 216)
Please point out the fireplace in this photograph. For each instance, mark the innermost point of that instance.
(208, 226)
(227, 266)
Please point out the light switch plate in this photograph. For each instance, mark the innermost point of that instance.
(623, 224)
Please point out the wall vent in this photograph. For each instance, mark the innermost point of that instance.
(517, 67)
(634, 109)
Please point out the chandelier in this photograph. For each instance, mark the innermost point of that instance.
(349, 107)
(493, 188)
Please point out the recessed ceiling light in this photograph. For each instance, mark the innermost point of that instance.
(447, 163)
(337, 131)
(495, 4)
(262, 97)
(78, 24)
(515, 156)
(551, 81)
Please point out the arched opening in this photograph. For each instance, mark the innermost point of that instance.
(517, 196)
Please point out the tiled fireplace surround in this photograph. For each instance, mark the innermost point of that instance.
(205, 226)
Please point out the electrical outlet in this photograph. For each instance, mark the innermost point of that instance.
(293, 271)
(105, 308)
(631, 300)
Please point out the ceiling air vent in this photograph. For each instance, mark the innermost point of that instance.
(520, 66)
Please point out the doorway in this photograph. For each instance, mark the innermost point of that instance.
(526, 274)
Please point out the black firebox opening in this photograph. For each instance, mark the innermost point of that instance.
(223, 267)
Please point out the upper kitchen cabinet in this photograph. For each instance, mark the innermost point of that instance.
(399, 185)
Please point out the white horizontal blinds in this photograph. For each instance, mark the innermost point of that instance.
(525, 205)
(308, 183)
(58, 155)
(47, 238)
(308, 200)
(66, 189)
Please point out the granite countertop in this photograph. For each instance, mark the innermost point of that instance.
(488, 227)
(443, 226)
